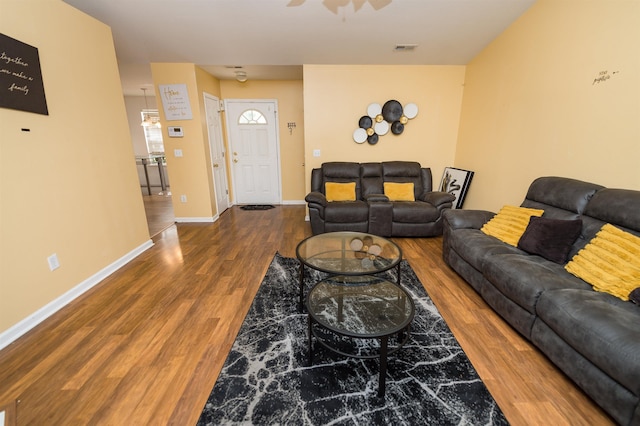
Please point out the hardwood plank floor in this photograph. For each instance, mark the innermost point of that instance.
(159, 212)
(145, 346)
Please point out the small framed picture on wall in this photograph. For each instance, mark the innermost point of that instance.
(456, 182)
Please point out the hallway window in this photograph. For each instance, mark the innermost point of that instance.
(152, 132)
(252, 116)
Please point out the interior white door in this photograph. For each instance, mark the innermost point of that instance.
(253, 140)
(218, 163)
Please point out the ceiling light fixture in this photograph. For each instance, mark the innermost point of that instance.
(241, 76)
(148, 121)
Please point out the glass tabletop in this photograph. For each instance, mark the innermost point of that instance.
(349, 253)
(366, 307)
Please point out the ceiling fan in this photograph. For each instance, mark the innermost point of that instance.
(333, 5)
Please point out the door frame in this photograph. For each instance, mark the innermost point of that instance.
(225, 197)
(228, 125)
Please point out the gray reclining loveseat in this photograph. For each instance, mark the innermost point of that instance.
(371, 210)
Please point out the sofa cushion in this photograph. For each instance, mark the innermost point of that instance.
(550, 238)
(600, 327)
(619, 207)
(610, 262)
(558, 196)
(346, 212)
(414, 212)
(399, 191)
(404, 171)
(509, 223)
(523, 278)
(475, 246)
(343, 172)
(335, 191)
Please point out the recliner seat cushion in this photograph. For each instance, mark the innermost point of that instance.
(601, 327)
(474, 246)
(414, 212)
(346, 211)
(522, 278)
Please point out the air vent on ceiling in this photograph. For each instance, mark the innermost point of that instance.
(405, 47)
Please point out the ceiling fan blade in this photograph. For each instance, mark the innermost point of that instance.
(333, 5)
(294, 3)
(357, 4)
(379, 4)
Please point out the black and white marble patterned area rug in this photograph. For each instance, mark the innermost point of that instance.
(267, 379)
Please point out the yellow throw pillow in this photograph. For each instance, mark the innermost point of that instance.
(336, 191)
(399, 191)
(610, 262)
(510, 223)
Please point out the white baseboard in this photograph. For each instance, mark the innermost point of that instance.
(10, 335)
(195, 219)
(294, 202)
(306, 218)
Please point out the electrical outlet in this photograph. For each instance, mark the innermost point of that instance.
(177, 153)
(54, 263)
(183, 198)
(316, 153)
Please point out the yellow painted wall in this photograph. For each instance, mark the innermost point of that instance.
(211, 85)
(189, 174)
(69, 186)
(289, 95)
(336, 96)
(531, 107)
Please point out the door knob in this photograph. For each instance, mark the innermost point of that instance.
(235, 160)
(235, 153)
(215, 164)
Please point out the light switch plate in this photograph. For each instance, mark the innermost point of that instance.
(177, 152)
(316, 153)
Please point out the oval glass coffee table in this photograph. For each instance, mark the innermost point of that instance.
(360, 317)
(347, 253)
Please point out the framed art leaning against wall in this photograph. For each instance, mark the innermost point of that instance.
(456, 182)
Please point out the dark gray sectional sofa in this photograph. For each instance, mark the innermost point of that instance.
(591, 336)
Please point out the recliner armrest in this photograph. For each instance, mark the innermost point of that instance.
(376, 197)
(316, 198)
(438, 198)
(466, 219)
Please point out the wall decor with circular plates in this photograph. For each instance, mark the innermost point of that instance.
(380, 119)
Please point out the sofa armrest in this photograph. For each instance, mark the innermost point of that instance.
(437, 198)
(316, 198)
(376, 197)
(466, 219)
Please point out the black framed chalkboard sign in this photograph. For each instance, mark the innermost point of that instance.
(21, 85)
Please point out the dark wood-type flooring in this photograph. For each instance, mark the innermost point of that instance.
(145, 346)
(159, 212)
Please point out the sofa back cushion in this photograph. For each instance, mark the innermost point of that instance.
(559, 197)
(403, 172)
(372, 181)
(620, 207)
(342, 172)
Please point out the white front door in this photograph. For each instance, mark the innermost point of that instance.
(255, 157)
(216, 146)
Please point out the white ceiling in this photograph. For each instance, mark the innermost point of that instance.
(272, 39)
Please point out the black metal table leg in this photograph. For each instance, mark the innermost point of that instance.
(301, 281)
(383, 366)
(310, 341)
